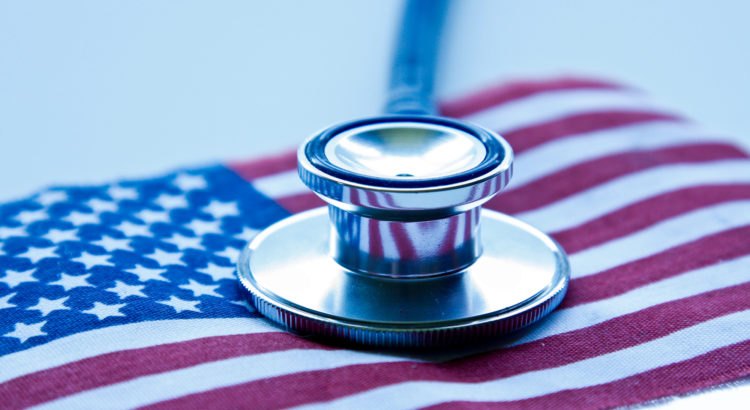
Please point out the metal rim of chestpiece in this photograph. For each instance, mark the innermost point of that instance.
(404, 256)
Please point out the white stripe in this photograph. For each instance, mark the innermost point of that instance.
(559, 154)
(131, 336)
(219, 374)
(660, 237)
(605, 198)
(553, 105)
(682, 345)
(207, 376)
(706, 279)
(279, 185)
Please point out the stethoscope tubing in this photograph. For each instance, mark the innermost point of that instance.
(412, 77)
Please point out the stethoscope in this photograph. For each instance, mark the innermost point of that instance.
(402, 255)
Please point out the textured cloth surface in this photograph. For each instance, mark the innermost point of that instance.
(124, 295)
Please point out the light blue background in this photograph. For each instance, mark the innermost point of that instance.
(96, 90)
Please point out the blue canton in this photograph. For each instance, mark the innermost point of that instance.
(78, 258)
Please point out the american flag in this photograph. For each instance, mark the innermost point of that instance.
(124, 295)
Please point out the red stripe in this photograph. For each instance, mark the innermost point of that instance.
(86, 374)
(615, 334)
(526, 137)
(46, 385)
(532, 136)
(496, 96)
(270, 165)
(718, 366)
(588, 174)
(300, 202)
(515, 90)
(700, 253)
(639, 215)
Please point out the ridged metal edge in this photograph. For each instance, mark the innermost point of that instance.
(410, 337)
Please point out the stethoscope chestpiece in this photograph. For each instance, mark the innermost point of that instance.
(404, 255)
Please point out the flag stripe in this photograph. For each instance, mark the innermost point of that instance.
(555, 107)
(647, 298)
(503, 93)
(692, 255)
(122, 337)
(720, 247)
(639, 215)
(706, 370)
(523, 139)
(554, 351)
(673, 289)
(623, 191)
(573, 148)
(210, 375)
(257, 168)
(660, 237)
(119, 366)
(590, 173)
(675, 347)
(300, 202)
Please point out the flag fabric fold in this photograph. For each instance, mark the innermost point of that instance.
(124, 295)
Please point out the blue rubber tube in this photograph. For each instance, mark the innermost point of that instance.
(413, 72)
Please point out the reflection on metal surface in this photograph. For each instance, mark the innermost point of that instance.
(404, 249)
(521, 275)
(418, 264)
(405, 151)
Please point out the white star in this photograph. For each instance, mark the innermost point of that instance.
(99, 205)
(46, 306)
(5, 301)
(91, 260)
(103, 311)
(145, 273)
(110, 244)
(230, 253)
(169, 202)
(37, 254)
(130, 229)
(166, 258)
(218, 272)
(221, 209)
(124, 290)
(203, 227)
(184, 242)
(187, 182)
(69, 282)
(51, 197)
(15, 278)
(80, 218)
(23, 332)
(7, 232)
(180, 305)
(27, 217)
(58, 235)
(200, 289)
(148, 216)
(247, 234)
(118, 193)
(244, 304)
